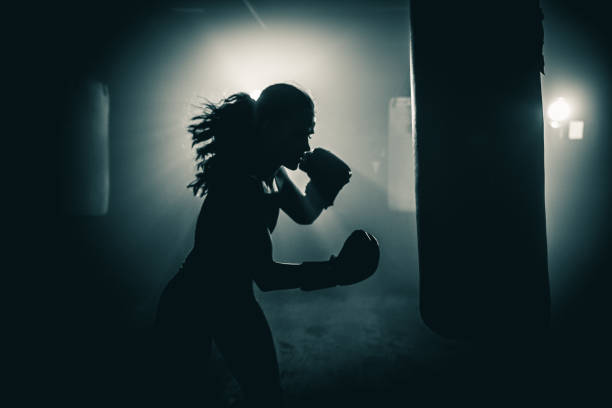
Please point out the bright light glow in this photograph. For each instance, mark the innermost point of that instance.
(255, 93)
(400, 153)
(554, 124)
(559, 110)
(249, 59)
(238, 57)
(576, 128)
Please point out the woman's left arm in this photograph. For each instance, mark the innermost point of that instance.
(302, 208)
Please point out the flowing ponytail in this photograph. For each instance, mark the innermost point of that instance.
(224, 135)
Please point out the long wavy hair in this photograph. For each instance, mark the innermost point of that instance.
(215, 130)
(225, 134)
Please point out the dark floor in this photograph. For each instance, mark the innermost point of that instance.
(358, 346)
(350, 347)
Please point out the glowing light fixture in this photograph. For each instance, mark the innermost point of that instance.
(558, 111)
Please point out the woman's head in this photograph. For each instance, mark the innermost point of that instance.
(241, 134)
(284, 118)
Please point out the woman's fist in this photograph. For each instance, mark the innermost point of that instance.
(327, 172)
(358, 258)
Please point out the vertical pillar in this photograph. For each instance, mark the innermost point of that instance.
(85, 174)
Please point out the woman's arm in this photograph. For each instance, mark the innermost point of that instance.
(303, 209)
(280, 275)
(239, 240)
(357, 260)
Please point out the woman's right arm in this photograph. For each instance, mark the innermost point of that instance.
(357, 260)
(245, 245)
(304, 209)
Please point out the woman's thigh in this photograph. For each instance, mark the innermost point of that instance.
(244, 339)
(183, 345)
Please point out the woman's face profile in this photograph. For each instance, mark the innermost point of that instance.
(290, 138)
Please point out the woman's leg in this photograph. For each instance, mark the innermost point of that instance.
(244, 339)
(183, 347)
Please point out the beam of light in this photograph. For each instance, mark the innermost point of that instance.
(254, 13)
(559, 110)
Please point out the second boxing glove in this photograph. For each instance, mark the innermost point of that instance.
(357, 261)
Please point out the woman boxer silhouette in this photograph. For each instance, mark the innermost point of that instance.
(242, 146)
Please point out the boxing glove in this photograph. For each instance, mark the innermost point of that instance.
(327, 173)
(357, 261)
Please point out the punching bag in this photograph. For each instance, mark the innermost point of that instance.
(480, 167)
